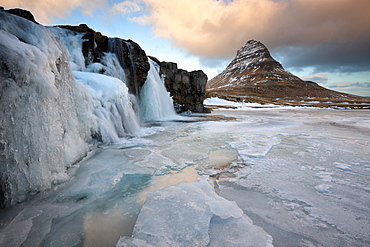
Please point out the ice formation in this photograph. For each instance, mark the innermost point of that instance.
(112, 106)
(155, 101)
(295, 191)
(192, 214)
(53, 114)
(48, 121)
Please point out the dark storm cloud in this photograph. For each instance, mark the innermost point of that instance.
(336, 57)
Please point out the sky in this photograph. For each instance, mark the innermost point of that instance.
(326, 41)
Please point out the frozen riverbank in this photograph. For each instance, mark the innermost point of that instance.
(301, 175)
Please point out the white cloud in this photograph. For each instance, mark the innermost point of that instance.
(126, 7)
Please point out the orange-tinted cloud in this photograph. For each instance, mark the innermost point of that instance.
(217, 29)
(319, 78)
(45, 10)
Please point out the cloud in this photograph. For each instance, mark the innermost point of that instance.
(126, 7)
(45, 11)
(357, 88)
(320, 29)
(328, 35)
(352, 56)
(351, 85)
(319, 78)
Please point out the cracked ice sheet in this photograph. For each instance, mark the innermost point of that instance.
(192, 214)
(309, 186)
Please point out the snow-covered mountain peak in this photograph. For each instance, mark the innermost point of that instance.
(252, 52)
(252, 64)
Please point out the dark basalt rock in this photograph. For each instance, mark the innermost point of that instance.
(133, 60)
(186, 88)
(22, 13)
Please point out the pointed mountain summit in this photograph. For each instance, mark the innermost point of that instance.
(255, 76)
(252, 65)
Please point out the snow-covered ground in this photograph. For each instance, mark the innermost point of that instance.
(280, 176)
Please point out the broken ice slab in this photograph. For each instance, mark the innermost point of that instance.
(192, 214)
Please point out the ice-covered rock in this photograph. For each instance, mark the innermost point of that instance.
(46, 122)
(192, 214)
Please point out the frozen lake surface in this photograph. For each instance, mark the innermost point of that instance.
(256, 177)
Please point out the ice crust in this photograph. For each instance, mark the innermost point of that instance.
(342, 166)
(190, 214)
(294, 192)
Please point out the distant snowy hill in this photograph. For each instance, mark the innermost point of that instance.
(254, 76)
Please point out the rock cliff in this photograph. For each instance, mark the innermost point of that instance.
(254, 76)
(131, 56)
(186, 88)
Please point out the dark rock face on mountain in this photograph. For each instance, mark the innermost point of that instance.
(186, 88)
(132, 58)
(253, 75)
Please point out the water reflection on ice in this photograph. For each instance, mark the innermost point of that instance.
(301, 175)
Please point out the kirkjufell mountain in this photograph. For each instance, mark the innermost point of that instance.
(255, 76)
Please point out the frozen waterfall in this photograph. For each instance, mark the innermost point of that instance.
(155, 101)
(53, 115)
(113, 105)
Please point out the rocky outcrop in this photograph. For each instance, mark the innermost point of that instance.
(132, 58)
(186, 88)
(21, 13)
(254, 76)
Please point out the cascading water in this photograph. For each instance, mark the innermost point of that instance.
(155, 101)
(115, 109)
(113, 105)
(115, 49)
